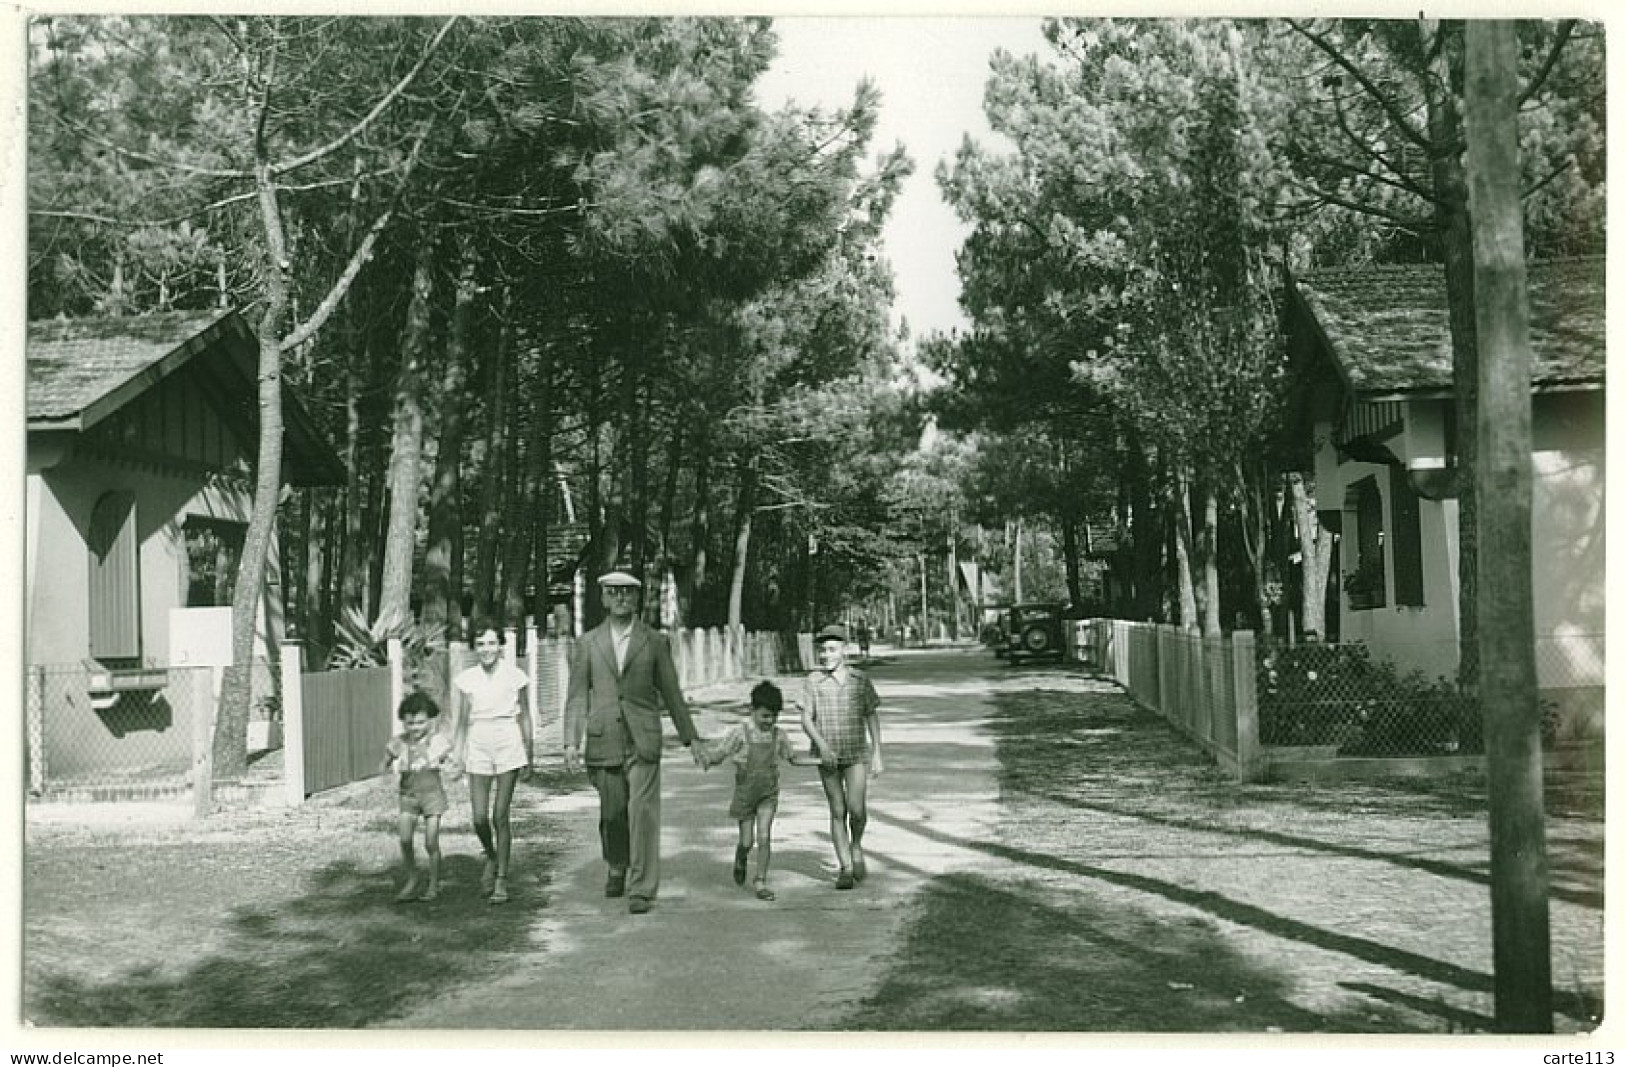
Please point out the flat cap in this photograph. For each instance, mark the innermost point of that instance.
(614, 578)
(832, 632)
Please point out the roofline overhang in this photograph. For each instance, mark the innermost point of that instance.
(308, 459)
(1385, 396)
(153, 373)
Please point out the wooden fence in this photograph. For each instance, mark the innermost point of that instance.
(335, 731)
(345, 719)
(1204, 687)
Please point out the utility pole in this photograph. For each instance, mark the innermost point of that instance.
(1519, 878)
(953, 569)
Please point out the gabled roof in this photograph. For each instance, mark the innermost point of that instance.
(1388, 327)
(80, 371)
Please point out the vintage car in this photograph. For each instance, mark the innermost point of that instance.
(1033, 631)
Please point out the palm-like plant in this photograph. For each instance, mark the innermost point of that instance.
(359, 643)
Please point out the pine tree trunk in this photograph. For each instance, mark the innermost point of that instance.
(230, 748)
(700, 537)
(406, 451)
(1519, 878)
(668, 508)
(516, 536)
(1182, 551)
(327, 540)
(442, 595)
(638, 475)
(1069, 552)
(493, 477)
(1146, 530)
(540, 479)
(1315, 550)
(296, 556)
(745, 516)
(1456, 241)
(353, 562)
(1209, 549)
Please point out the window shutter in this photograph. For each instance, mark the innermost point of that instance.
(115, 582)
(1407, 540)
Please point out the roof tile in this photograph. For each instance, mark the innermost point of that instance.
(72, 363)
(1389, 326)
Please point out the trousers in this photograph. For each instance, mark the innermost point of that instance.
(629, 822)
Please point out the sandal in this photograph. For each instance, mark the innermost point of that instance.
(409, 891)
(741, 858)
(843, 880)
(488, 877)
(762, 891)
(431, 893)
(499, 891)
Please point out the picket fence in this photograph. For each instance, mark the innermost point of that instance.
(1205, 687)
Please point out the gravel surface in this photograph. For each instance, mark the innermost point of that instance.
(1044, 856)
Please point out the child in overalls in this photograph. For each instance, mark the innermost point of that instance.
(755, 747)
(418, 753)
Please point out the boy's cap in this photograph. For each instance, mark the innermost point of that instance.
(618, 578)
(833, 632)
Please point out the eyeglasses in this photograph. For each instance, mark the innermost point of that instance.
(620, 590)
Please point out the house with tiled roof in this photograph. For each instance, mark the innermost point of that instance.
(1373, 346)
(142, 434)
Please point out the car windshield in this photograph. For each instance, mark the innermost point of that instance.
(1035, 613)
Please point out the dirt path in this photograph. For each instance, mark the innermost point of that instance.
(1045, 856)
(692, 962)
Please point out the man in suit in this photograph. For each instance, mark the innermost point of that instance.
(620, 675)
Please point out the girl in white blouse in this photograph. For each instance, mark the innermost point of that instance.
(493, 736)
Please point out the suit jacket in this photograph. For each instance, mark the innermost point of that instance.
(617, 710)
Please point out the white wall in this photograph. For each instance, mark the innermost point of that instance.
(58, 598)
(1569, 469)
(1570, 474)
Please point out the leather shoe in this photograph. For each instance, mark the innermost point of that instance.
(616, 885)
(638, 905)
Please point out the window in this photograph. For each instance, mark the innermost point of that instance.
(1367, 583)
(213, 547)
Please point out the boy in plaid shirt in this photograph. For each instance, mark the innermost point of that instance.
(838, 712)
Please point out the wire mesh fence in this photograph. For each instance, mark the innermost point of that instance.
(1365, 702)
(92, 734)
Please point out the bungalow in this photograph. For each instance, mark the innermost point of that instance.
(1374, 344)
(141, 436)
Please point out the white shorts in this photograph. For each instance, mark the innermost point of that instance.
(495, 746)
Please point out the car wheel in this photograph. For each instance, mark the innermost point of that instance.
(1036, 640)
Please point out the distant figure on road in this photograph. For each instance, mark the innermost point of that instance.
(492, 737)
(863, 639)
(621, 674)
(839, 711)
(755, 747)
(418, 753)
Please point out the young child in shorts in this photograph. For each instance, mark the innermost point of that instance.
(418, 753)
(755, 747)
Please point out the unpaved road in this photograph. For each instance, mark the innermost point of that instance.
(1044, 856)
(701, 958)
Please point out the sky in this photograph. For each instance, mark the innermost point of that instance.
(930, 72)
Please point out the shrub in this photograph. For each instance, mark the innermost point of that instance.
(1326, 694)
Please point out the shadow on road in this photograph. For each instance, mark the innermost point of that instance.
(340, 954)
(967, 963)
